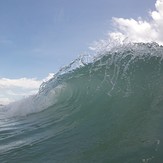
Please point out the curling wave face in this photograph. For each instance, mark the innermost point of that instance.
(104, 109)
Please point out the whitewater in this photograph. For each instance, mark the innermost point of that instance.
(104, 108)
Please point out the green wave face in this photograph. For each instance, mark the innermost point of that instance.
(107, 111)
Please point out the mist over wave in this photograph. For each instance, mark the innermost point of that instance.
(106, 107)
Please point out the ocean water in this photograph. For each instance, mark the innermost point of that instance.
(105, 110)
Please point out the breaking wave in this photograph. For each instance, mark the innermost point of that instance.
(105, 107)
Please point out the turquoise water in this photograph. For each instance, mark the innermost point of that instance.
(109, 110)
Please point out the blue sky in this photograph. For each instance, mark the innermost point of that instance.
(40, 36)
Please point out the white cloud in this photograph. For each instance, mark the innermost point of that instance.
(5, 101)
(141, 30)
(14, 89)
(22, 83)
(131, 30)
